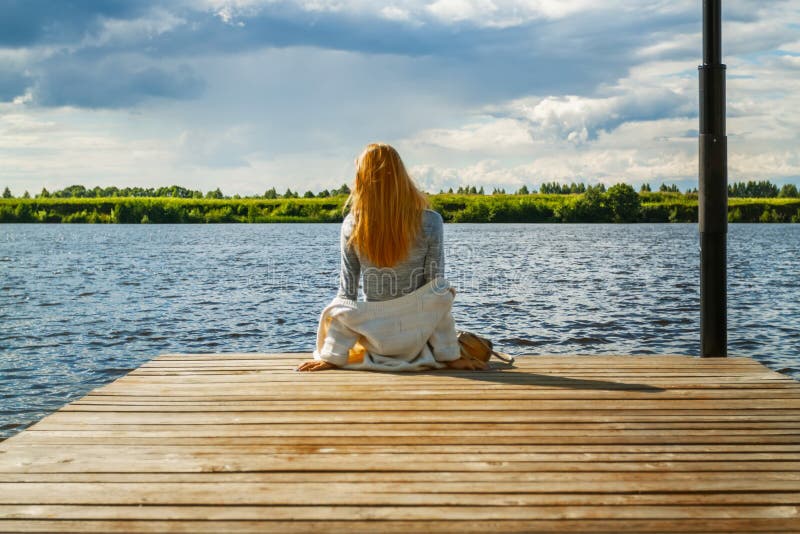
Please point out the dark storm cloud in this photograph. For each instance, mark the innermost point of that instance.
(483, 64)
(487, 63)
(568, 55)
(69, 76)
(113, 84)
(13, 83)
(26, 23)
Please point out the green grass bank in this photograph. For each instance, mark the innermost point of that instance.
(614, 205)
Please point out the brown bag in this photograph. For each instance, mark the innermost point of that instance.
(476, 347)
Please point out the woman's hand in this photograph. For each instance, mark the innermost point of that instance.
(315, 365)
(468, 364)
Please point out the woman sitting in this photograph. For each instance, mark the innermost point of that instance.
(392, 240)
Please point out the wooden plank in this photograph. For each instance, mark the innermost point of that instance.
(494, 371)
(419, 513)
(648, 384)
(371, 493)
(519, 367)
(523, 440)
(589, 382)
(594, 526)
(581, 359)
(708, 443)
(544, 480)
(443, 428)
(175, 461)
(398, 416)
(521, 361)
(430, 454)
(448, 405)
(269, 391)
(319, 393)
(534, 437)
(524, 364)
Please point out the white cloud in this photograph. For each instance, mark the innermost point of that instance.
(56, 148)
(645, 130)
(635, 152)
(395, 13)
(461, 10)
(578, 119)
(482, 13)
(762, 35)
(149, 26)
(684, 45)
(790, 47)
(500, 135)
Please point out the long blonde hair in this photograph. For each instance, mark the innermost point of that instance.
(386, 205)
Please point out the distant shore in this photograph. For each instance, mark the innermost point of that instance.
(621, 206)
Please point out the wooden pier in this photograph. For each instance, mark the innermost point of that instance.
(241, 442)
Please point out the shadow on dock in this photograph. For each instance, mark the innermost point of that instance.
(521, 378)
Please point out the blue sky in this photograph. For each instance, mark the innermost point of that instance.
(251, 94)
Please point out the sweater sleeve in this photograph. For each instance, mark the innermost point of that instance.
(434, 258)
(334, 342)
(350, 266)
(444, 340)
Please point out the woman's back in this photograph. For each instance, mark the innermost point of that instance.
(424, 262)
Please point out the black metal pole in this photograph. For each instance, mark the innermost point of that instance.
(713, 197)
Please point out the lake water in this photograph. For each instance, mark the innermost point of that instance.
(81, 305)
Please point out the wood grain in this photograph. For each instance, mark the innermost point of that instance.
(242, 443)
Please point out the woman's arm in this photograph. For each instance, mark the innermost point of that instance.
(350, 266)
(434, 258)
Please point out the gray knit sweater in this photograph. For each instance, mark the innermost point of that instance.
(425, 262)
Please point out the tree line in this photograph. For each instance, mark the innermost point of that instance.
(173, 191)
(750, 189)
